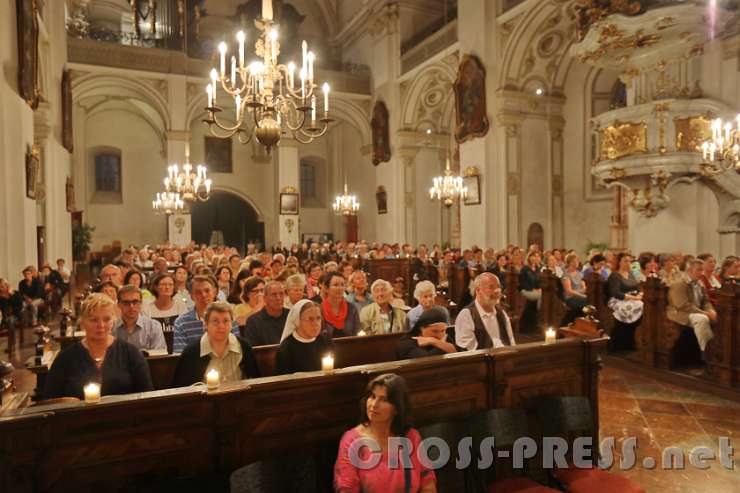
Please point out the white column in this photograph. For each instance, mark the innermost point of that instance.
(288, 176)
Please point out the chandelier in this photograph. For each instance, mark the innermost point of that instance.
(345, 205)
(721, 153)
(265, 96)
(448, 188)
(168, 203)
(191, 184)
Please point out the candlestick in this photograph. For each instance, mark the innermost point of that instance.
(214, 77)
(267, 9)
(550, 336)
(209, 90)
(222, 50)
(304, 48)
(213, 379)
(313, 110)
(291, 69)
(311, 57)
(241, 37)
(327, 363)
(325, 87)
(303, 82)
(92, 393)
(233, 71)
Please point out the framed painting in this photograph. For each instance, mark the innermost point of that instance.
(472, 183)
(471, 119)
(381, 134)
(33, 165)
(70, 195)
(28, 51)
(381, 197)
(67, 131)
(218, 155)
(289, 204)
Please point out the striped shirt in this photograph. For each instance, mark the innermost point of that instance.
(189, 328)
(147, 334)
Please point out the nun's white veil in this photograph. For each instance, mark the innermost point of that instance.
(294, 319)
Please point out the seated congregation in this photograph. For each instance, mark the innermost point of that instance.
(295, 327)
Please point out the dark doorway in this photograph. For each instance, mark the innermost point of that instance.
(232, 216)
(536, 236)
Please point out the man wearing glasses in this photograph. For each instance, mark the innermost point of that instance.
(141, 331)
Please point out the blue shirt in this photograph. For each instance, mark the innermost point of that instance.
(189, 328)
(147, 333)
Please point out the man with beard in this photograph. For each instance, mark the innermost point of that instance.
(483, 324)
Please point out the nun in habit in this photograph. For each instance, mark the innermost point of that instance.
(302, 344)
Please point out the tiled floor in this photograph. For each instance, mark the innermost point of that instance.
(660, 415)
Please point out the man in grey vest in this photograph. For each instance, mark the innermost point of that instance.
(483, 324)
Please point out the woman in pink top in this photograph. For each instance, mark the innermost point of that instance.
(385, 408)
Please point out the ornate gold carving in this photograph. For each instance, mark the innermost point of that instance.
(591, 11)
(609, 31)
(691, 132)
(660, 110)
(471, 171)
(623, 139)
(665, 23)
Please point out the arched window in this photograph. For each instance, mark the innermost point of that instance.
(308, 181)
(107, 175)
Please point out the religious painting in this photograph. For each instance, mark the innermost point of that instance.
(28, 51)
(381, 134)
(33, 165)
(471, 118)
(67, 133)
(289, 204)
(381, 197)
(472, 183)
(70, 195)
(218, 155)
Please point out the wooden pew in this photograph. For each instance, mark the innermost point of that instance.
(515, 301)
(586, 327)
(133, 441)
(596, 294)
(348, 351)
(553, 308)
(723, 351)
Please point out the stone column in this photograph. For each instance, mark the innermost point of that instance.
(288, 180)
(408, 157)
(510, 152)
(556, 232)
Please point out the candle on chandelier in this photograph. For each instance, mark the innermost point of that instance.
(214, 77)
(233, 71)
(209, 90)
(291, 69)
(325, 87)
(222, 50)
(238, 104)
(273, 45)
(267, 9)
(208, 185)
(728, 129)
(303, 82)
(241, 37)
(313, 110)
(311, 57)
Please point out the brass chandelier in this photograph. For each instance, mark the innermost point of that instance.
(168, 203)
(721, 153)
(191, 184)
(346, 205)
(448, 188)
(266, 98)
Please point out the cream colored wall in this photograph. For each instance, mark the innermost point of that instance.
(142, 169)
(19, 216)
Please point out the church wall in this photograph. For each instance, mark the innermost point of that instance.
(535, 171)
(428, 225)
(143, 168)
(316, 217)
(360, 173)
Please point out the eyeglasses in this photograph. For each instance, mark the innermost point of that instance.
(130, 302)
(258, 290)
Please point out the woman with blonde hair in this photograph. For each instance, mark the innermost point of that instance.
(117, 366)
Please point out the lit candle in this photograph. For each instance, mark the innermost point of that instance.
(241, 37)
(267, 9)
(273, 45)
(208, 185)
(209, 90)
(728, 129)
(550, 336)
(214, 78)
(311, 57)
(327, 363)
(92, 393)
(291, 69)
(222, 49)
(304, 48)
(238, 101)
(213, 379)
(325, 87)
(362, 332)
(233, 71)
(313, 110)
(303, 82)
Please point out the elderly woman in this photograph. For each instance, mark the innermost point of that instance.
(385, 412)
(341, 318)
(425, 293)
(302, 344)
(428, 336)
(253, 299)
(295, 288)
(116, 365)
(218, 349)
(625, 300)
(136, 278)
(380, 317)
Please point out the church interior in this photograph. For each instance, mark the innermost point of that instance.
(241, 237)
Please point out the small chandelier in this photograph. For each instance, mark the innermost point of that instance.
(346, 205)
(721, 153)
(168, 203)
(448, 188)
(192, 184)
(265, 96)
